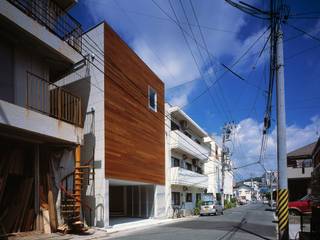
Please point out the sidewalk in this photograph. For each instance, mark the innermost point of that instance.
(97, 233)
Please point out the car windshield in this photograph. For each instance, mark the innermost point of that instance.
(306, 197)
(207, 203)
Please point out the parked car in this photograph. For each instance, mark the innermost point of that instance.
(301, 206)
(211, 208)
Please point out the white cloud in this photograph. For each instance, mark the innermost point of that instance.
(155, 39)
(247, 143)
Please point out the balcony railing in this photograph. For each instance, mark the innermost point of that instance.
(49, 14)
(52, 100)
(185, 144)
(184, 177)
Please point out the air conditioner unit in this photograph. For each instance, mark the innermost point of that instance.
(184, 124)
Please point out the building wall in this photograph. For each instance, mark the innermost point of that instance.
(134, 139)
(228, 183)
(15, 62)
(94, 137)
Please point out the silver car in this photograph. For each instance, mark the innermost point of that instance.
(210, 208)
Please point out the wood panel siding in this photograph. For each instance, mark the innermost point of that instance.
(134, 134)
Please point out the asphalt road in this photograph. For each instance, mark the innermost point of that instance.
(247, 222)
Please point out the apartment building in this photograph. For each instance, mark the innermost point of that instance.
(186, 154)
(123, 132)
(213, 168)
(41, 123)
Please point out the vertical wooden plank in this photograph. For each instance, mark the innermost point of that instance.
(52, 206)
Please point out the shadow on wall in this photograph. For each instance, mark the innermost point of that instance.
(88, 159)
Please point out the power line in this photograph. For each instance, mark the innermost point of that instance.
(223, 65)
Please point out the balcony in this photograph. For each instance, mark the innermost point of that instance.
(54, 101)
(186, 145)
(184, 177)
(49, 14)
(295, 172)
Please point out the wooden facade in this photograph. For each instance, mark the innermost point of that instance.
(134, 133)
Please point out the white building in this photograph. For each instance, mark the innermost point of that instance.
(213, 168)
(243, 193)
(186, 153)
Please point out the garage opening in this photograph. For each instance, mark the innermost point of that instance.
(130, 203)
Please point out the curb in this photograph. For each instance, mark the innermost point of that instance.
(144, 226)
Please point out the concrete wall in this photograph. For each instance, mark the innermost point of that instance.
(212, 168)
(20, 118)
(15, 62)
(228, 183)
(95, 138)
(187, 205)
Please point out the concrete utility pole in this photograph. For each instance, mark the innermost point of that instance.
(222, 168)
(277, 13)
(226, 132)
(283, 213)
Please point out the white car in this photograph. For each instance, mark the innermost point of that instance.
(210, 208)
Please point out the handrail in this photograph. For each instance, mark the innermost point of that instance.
(69, 194)
(55, 101)
(49, 14)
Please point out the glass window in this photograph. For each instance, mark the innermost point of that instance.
(152, 99)
(189, 197)
(175, 162)
(175, 198)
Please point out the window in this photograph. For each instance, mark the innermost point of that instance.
(189, 166)
(152, 95)
(189, 197)
(198, 197)
(199, 170)
(175, 198)
(175, 162)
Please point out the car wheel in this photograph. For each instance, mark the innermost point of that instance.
(221, 212)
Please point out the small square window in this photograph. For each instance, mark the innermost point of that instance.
(152, 97)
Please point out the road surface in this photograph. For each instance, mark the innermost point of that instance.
(247, 222)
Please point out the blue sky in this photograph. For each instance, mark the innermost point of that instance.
(228, 33)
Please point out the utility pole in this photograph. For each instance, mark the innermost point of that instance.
(277, 14)
(283, 212)
(226, 132)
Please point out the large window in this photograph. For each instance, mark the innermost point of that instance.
(189, 197)
(152, 95)
(175, 198)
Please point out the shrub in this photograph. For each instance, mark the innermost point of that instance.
(196, 210)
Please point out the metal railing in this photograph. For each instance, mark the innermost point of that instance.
(52, 100)
(49, 14)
